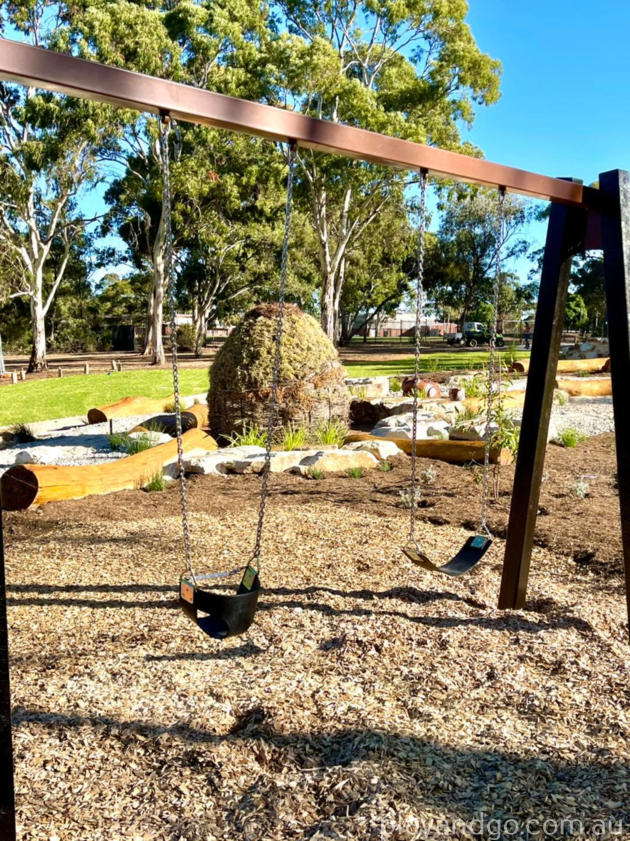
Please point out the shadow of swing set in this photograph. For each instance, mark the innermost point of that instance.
(581, 219)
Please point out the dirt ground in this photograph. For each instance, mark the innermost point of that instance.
(368, 701)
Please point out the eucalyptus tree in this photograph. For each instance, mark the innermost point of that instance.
(49, 159)
(409, 68)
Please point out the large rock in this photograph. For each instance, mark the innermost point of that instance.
(216, 462)
(368, 388)
(336, 461)
(312, 387)
(382, 450)
(400, 426)
(279, 462)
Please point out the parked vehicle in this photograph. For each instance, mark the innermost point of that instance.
(474, 333)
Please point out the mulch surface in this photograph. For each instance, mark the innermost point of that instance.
(369, 700)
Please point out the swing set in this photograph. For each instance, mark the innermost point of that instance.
(581, 219)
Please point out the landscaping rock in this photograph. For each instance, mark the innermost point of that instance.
(336, 461)
(280, 462)
(400, 426)
(155, 438)
(368, 388)
(382, 450)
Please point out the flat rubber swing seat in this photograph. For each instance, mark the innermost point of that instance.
(466, 559)
(223, 614)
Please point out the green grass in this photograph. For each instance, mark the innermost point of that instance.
(355, 473)
(294, 437)
(329, 433)
(570, 437)
(37, 400)
(453, 361)
(251, 435)
(156, 483)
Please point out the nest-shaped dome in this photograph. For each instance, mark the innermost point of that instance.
(311, 383)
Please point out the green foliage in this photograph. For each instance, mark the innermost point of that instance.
(139, 444)
(507, 432)
(315, 473)
(156, 483)
(429, 475)
(250, 435)
(355, 473)
(571, 437)
(580, 488)
(395, 385)
(476, 386)
(576, 314)
(22, 434)
(385, 466)
(294, 437)
(186, 336)
(330, 433)
(118, 440)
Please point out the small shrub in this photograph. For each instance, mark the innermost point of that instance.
(138, 445)
(395, 385)
(509, 356)
(385, 466)
(294, 437)
(169, 408)
(507, 433)
(251, 435)
(421, 393)
(186, 337)
(355, 473)
(331, 432)
(118, 440)
(561, 398)
(315, 473)
(476, 386)
(22, 433)
(466, 414)
(429, 475)
(156, 483)
(571, 437)
(580, 488)
(410, 498)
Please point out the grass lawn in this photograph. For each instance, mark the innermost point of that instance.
(37, 400)
(454, 361)
(27, 402)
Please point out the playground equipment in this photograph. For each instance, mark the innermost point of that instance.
(581, 219)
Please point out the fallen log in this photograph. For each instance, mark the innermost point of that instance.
(455, 452)
(27, 485)
(567, 366)
(193, 418)
(509, 400)
(580, 387)
(129, 406)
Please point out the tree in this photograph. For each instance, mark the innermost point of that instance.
(410, 68)
(379, 273)
(461, 260)
(576, 314)
(588, 281)
(49, 146)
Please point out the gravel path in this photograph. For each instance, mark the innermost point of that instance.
(590, 415)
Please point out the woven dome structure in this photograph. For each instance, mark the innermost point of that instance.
(311, 383)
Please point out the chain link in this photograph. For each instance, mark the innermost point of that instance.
(275, 377)
(422, 224)
(165, 130)
(485, 494)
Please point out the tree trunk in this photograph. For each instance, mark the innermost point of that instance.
(38, 360)
(199, 323)
(329, 325)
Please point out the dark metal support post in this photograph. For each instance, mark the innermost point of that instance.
(7, 798)
(615, 222)
(565, 236)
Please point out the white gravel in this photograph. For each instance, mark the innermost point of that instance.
(590, 415)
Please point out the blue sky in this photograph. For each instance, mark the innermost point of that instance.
(565, 104)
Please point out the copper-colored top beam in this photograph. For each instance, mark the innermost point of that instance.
(45, 69)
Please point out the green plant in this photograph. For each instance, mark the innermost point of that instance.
(466, 414)
(355, 472)
(157, 482)
(395, 385)
(22, 434)
(330, 432)
(570, 437)
(139, 444)
(385, 466)
(476, 386)
(509, 355)
(118, 440)
(169, 408)
(579, 488)
(409, 498)
(429, 475)
(561, 397)
(294, 437)
(186, 337)
(507, 433)
(358, 391)
(251, 435)
(315, 473)
(421, 393)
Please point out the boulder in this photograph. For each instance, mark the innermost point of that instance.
(368, 388)
(280, 461)
(400, 426)
(336, 461)
(382, 450)
(214, 463)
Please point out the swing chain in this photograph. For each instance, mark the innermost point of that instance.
(492, 363)
(275, 376)
(165, 130)
(424, 175)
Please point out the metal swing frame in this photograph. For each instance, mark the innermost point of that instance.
(581, 219)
